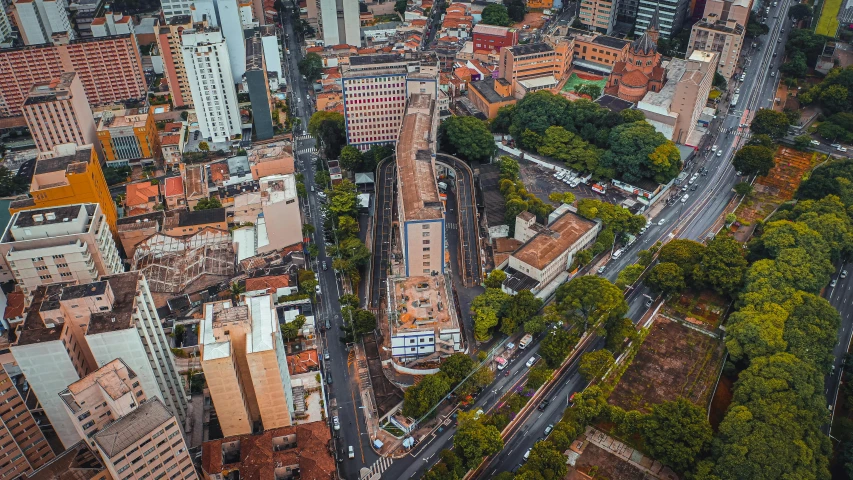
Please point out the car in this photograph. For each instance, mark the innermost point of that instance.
(772, 74)
(684, 188)
(833, 283)
(542, 406)
(643, 230)
(328, 379)
(351, 452)
(326, 356)
(325, 267)
(531, 362)
(661, 221)
(737, 90)
(693, 188)
(835, 145)
(684, 198)
(648, 303)
(317, 289)
(714, 148)
(739, 173)
(815, 143)
(525, 27)
(719, 153)
(527, 453)
(601, 269)
(328, 324)
(572, 398)
(842, 149)
(778, 40)
(783, 30)
(617, 253)
(844, 274)
(336, 422)
(549, 429)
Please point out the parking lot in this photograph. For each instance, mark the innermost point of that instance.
(541, 182)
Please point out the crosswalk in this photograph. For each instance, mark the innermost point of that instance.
(380, 465)
(452, 226)
(304, 137)
(307, 150)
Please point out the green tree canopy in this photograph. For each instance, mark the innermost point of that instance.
(421, 397)
(495, 279)
(676, 433)
(311, 66)
(590, 300)
(754, 160)
(544, 463)
(351, 158)
(770, 122)
(634, 153)
(457, 367)
(666, 278)
(595, 364)
(208, 204)
(470, 137)
(722, 265)
(328, 129)
(496, 14)
(475, 439)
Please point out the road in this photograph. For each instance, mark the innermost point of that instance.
(344, 387)
(383, 210)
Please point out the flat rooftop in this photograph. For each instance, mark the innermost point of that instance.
(422, 303)
(109, 120)
(124, 287)
(360, 60)
(486, 88)
(132, 427)
(418, 187)
(530, 49)
(58, 88)
(68, 163)
(550, 242)
(611, 42)
(49, 216)
(674, 71)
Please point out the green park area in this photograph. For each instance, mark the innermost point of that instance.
(828, 22)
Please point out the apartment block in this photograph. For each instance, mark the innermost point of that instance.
(146, 443)
(7, 35)
(23, 446)
(70, 331)
(110, 69)
(112, 23)
(596, 52)
(272, 49)
(176, 8)
(38, 20)
(69, 175)
(129, 138)
(722, 30)
(244, 360)
(535, 66)
(339, 22)
(490, 94)
(667, 15)
(492, 38)
(102, 397)
(425, 328)
(59, 244)
(259, 88)
(207, 62)
(174, 72)
(58, 112)
(78, 462)
(598, 15)
(375, 90)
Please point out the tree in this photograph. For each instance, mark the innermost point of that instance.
(538, 376)
(762, 140)
(457, 367)
(754, 160)
(723, 265)
(590, 89)
(307, 229)
(328, 129)
(400, 6)
(535, 324)
(802, 142)
(204, 147)
(208, 204)
(113, 176)
(495, 279)
(589, 300)
(364, 321)
(496, 14)
(351, 158)
(676, 433)
(634, 153)
(616, 330)
(523, 306)
(720, 81)
(595, 364)
(342, 200)
(311, 66)
(475, 440)
(516, 9)
(666, 278)
(544, 463)
(470, 137)
(424, 395)
(754, 28)
(743, 188)
(562, 197)
(799, 11)
(290, 330)
(307, 281)
(237, 289)
(796, 65)
(683, 253)
(556, 346)
(770, 122)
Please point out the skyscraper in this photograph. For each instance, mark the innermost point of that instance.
(174, 72)
(38, 20)
(339, 22)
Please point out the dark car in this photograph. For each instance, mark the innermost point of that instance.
(542, 406)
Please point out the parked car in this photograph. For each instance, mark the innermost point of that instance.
(542, 406)
(549, 429)
(531, 362)
(351, 452)
(336, 422)
(844, 274)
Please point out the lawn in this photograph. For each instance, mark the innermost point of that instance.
(828, 23)
(575, 80)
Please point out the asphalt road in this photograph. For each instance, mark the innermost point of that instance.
(383, 211)
(841, 297)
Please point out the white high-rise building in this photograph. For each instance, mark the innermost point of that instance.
(339, 22)
(172, 8)
(39, 19)
(208, 67)
(231, 26)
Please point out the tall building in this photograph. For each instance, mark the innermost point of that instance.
(129, 138)
(22, 444)
(71, 331)
(174, 72)
(146, 442)
(110, 69)
(339, 22)
(272, 50)
(112, 23)
(7, 35)
(78, 462)
(259, 88)
(211, 82)
(598, 15)
(230, 23)
(375, 89)
(667, 15)
(102, 397)
(57, 112)
(245, 365)
(722, 30)
(59, 244)
(38, 20)
(69, 175)
(174, 8)
(535, 66)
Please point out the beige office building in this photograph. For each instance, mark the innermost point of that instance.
(59, 244)
(598, 15)
(57, 112)
(174, 71)
(146, 443)
(245, 364)
(101, 397)
(722, 29)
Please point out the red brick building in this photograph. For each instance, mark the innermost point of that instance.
(489, 37)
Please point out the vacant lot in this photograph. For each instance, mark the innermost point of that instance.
(703, 309)
(674, 361)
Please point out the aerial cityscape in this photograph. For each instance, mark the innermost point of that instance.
(426, 239)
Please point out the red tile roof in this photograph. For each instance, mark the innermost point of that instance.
(174, 186)
(303, 362)
(140, 193)
(270, 283)
(15, 304)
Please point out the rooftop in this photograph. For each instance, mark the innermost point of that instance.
(141, 193)
(109, 120)
(124, 287)
(614, 103)
(133, 427)
(269, 283)
(137, 222)
(78, 462)
(611, 42)
(82, 291)
(421, 200)
(303, 362)
(530, 49)
(254, 54)
(484, 29)
(359, 60)
(173, 186)
(547, 245)
(68, 163)
(422, 303)
(486, 88)
(495, 204)
(674, 71)
(186, 218)
(57, 89)
(108, 378)
(49, 216)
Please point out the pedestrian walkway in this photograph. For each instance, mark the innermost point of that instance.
(380, 466)
(307, 150)
(304, 137)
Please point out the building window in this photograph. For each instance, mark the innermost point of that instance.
(426, 242)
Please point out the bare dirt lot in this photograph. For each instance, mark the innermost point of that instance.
(674, 361)
(607, 465)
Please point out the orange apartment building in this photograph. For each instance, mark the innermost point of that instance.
(490, 94)
(129, 138)
(597, 52)
(175, 73)
(110, 69)
(535, 66)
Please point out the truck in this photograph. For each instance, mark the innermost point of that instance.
(735, 99)
(525, 341)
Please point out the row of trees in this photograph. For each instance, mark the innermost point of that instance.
(419, 399)
(328, 129)
(834, 93)
(468, 137)
(516, 196)
(353, 160)
(590, 138)
(349, 253)
(682, 264)
(494, 309)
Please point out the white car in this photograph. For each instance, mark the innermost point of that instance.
(336, 422)
(835, 145)
(351, 452)
(714, 148)
(684, 198)
(719, 153)
(531, 362)
(842, 149)
(815, 143)
(661, 221)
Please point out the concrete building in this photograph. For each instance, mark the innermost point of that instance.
(546, 253)
(129, 139)
(675, 109)
(38, 20)
(259, 88)
(134, 230)
(59, 244)
(182, 221)
(207, 62)
(58, 112)
(102, 397)
(244, 360)
(534, 66)
(69, 175)
(112, 23)
(24, 446)
(147, 440)
(71, 331)
(141, 198)
(375, 90)
(174, 72)
(667, 16)
(598, 15)
(7, 35)
(490, 38)
(176, 8)
(596, 52)
(172, 140)
(423, 321)
(490, 94)
(722, 30)
(339, 22)
(78, 462)
(110, 69)
(272, 50)
(420, 209)
(230, 24)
